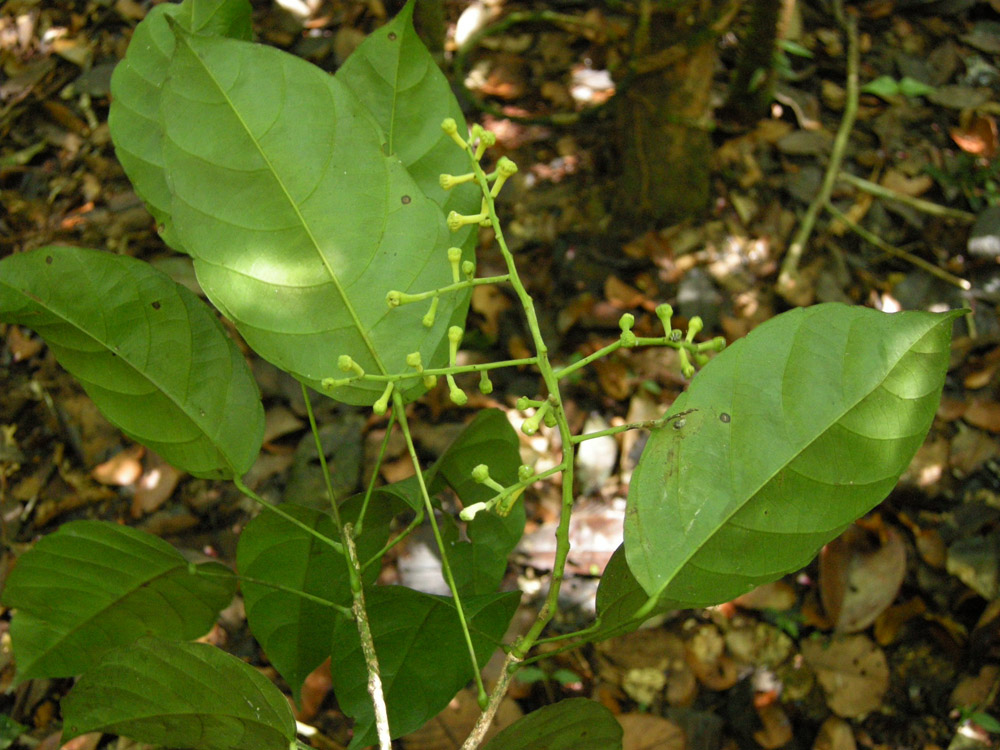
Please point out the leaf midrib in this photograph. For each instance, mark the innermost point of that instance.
(295, 207)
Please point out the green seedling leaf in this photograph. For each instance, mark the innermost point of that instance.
(10, 730)
(885, 87)
(92, 586)
(421, 655)
(480, 564)
(912, 87)
(181, 695)
(149, 353)
(780, 443)
(137, 84)
(295, 631)
(573, 724)
(397, 80)
(298, 222)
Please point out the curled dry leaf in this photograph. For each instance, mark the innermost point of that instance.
(859, 577)
(852, 670)
(122, 469)
(984, 413)
(776, 727)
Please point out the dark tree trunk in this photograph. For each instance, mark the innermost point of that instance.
(753, 83)
(664, 143)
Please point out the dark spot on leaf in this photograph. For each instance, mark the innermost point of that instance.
(156, 305)
(392, 36)
(48, 259)
(724, 417)
(406, 199)
(160, 228)
(680, 423)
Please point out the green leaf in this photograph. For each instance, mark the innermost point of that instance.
(299, 224)
(92, 586)
(619, 599)
(137, 85)
(480, 563)
(912, 87)
(573, 724)
(782, 441)
(149, 353)
(421, 653)
(182, 695)
(885, 87)
(397, 80)
(10, 730)
(294, 631)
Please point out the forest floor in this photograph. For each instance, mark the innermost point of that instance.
(890, 640)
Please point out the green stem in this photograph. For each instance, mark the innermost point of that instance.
(322, 460)
(400, 409)
(646, 424)
(337, 546)
(377, 557)
(457, 286)
(359, 524)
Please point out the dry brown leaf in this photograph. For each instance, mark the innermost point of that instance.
(21, 346)
(970, 449)
(890, 623)
(778, 596)
(859, 577)
(648, 732)
(835, 734)
(982, 377)
(950, 409)
(490, 302)
(621, 295)
(448, 729)
(973, 691)
(852, 670)
(122, 469)
(984, 413)
(155, 486)
(901, 183)
(613, 377)
(776, 728)
(977, 135)
(280, 421)
(316, 687)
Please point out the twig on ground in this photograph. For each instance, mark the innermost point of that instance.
(895, 252)
(789, 281)
(927, 207)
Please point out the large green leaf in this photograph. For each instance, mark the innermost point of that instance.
(182, 695)
(92, 586)
(573, 724)
(782, 440)
(421, 653)
(137, 84)
(397, 80)
(480, 563)
(294, 631)
(299, 224)
(149, 353)
(619, 599)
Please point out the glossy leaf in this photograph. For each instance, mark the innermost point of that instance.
(149, 353)
(181, 695)
(137, 84)
(92, 586)
(782, 441)
(572, 724)
(620, 599)
(294, 631)
(397, 80)
(421, 652)
(299, 224)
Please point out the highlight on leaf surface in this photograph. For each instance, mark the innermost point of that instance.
(777, 463)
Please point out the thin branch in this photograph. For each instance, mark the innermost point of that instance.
(927, 207)
(475, 737)
(884, 246)
(368, 648)
(788, 279)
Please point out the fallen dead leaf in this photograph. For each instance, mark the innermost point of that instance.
(448, 729)
(778, 596)
(970, 449)
(977, 135)
(122, 469)
(835, 734)
(974, 691)
(648, 732)
(155, 486)
(859, 577)
(890, 623)
(621, 295)
(852, 670)
(776, 728)
(316, 687)
(984, 413)
(22, 346)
